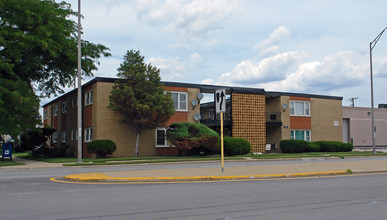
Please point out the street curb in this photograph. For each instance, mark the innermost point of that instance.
(100, 177)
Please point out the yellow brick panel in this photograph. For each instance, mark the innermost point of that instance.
(249, 122)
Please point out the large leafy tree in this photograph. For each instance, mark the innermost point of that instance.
(38, 53)
(139, 95)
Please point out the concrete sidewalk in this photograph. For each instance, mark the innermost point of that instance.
(333, 167)
(32, 164)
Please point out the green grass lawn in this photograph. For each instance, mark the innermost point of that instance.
(7, 162)
(70, 161)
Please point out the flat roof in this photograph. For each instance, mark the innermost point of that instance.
(209, 89)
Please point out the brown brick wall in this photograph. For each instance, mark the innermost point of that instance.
(302, 123)
(299, 98)
(248, 113)
(178, 117)
(176, 89)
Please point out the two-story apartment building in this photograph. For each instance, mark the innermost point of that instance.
(100, 122)
(262, 118)
(287, 116)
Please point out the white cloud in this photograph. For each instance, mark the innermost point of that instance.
(342, 70)
(207, 81)
(269, 69)
(195, 58)
(171, 69)
(276, 36)
(189, 18)
(290, 72)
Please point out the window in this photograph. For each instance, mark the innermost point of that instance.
(73, 103)
(89, 97)
(64, 107)
(88, 134)
(299, 108)
(180, 100)
(300, 135)
(74, 133)
(55, 137)
(161, 137)
(55, 110)
(63, 137)
(45, 114)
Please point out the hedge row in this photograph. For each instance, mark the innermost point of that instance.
(298, 146)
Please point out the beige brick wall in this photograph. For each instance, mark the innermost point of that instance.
(193, 95)
(326, 119)
(248, 113)
(285, 117)
(108, 124)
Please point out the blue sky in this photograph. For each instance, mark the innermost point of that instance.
(307, 46)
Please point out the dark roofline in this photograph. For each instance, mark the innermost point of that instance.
(207, 89)
(277, 94)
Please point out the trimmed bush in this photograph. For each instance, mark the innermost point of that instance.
(193, 139)
(293, 146)
(236, 146)
(334, 146)
(313, 147)
(101, 147)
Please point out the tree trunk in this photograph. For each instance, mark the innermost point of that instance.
(138, 134)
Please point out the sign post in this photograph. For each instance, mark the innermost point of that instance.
(220, 107)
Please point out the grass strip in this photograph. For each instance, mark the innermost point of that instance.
(6, 163)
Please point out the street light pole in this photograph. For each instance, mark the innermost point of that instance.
(79, 99)
(372, 45)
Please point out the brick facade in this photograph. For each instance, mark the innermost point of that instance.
(249, 122)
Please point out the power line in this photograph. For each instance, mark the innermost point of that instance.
(352, 100)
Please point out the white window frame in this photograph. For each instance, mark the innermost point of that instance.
(55, 110)
(76, 134)
(88, 134)
(63, 137)
(55, 137)
(181, 106)
(306, 137)
(306, 108)
(89, 97)
(64, 106)
(156, 138)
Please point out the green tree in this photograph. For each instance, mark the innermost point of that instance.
(139, 96)
(19, 107)
(38, 51)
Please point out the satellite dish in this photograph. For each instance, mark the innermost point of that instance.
(284, 106)
(194, 102)
(200, 96)
(197, 117)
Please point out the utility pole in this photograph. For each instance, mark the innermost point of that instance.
(352, 100)
(79, 113)
(372, 45)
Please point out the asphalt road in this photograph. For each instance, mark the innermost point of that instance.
(29, 194)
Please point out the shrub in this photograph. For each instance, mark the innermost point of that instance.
(192, 138)
(293, 146)
(47, 151)
(236, 146)
(313, 147)
(101, 147)
(334, 146)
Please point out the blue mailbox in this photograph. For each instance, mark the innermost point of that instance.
(7, 151)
